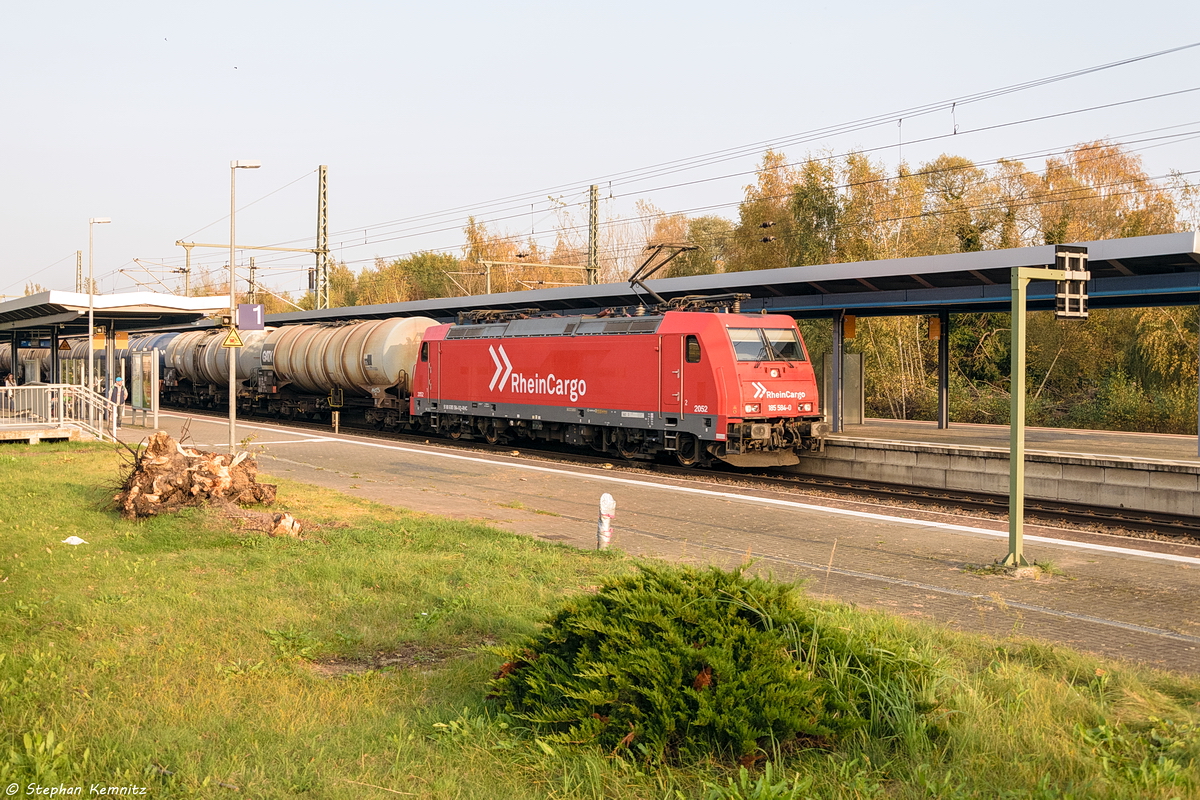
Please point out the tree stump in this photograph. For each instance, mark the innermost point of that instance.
(166, 476)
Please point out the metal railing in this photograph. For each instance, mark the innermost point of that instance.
(59, 405)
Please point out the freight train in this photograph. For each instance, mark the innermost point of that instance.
(700, 385)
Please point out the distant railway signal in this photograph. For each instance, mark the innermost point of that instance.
(1071, 299)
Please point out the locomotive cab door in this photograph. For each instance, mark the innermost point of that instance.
(427, 364)
(698, 385)
(670, 360)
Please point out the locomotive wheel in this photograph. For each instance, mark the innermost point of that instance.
(626, 448)
(688, 454)
(491, 434)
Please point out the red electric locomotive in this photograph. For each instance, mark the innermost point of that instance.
(699, 384)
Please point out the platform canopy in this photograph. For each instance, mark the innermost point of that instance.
(67, 312)
(1134, 272)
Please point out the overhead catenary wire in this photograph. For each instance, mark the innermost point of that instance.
(788, 140)
(517, 212)
(627, 178)
(248, 205)
(739, 151)
(32, 275)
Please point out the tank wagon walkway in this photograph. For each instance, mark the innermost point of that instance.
(1138, 601)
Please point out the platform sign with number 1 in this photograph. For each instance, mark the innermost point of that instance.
(250, 317)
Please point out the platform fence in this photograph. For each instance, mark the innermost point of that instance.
(59, 405)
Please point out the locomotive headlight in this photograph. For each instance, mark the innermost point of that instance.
(806, 406)
(774, 373)
(753, 408)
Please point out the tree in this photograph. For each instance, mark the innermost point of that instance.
(961, 199)
(766, 201)
(711, 234)
(343, 286)
(816, 213)
(1099, 191)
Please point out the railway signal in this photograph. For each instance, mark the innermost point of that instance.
(1071, 299)
(1071, 273)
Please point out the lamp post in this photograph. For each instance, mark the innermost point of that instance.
(234, 166)
(94, 221)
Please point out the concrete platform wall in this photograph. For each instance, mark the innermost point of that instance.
(32, 434)
(1111, 481)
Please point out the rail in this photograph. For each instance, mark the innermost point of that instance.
(59, 405)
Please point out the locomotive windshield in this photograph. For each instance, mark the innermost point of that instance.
(770, 344)
(784, 344)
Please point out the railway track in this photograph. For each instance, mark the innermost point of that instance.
(1118, 521)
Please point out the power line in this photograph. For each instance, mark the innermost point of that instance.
(628, 177)
(705, 159)
(28, 277)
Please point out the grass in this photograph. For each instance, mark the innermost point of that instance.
(187, 657)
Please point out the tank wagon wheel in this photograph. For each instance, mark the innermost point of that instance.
(688, 453)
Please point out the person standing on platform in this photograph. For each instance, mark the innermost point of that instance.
(9, 382)
(117, 395)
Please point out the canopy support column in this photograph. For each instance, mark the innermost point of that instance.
(835, 383)
(944, 370)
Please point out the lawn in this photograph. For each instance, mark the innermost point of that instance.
(187, 657)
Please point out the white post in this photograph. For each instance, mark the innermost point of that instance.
(234, 166)
(91, 352)
(608, 510)
(154, 378)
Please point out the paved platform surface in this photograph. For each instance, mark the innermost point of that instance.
(1110, 599)
(1053, 440)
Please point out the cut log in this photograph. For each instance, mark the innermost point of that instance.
(166, 476)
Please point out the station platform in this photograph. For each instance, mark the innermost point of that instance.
(1059, 441)
(1147, 472)
(32, 433)
(1131, 600)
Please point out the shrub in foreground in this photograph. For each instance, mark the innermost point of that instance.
(684, 663)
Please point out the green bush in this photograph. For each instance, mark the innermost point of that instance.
(683, 664)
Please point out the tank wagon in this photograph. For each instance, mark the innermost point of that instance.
(699, 385)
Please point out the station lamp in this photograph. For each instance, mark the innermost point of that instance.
(234, 166)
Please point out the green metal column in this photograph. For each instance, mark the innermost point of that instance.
(1016, 426)
(1071, 303)
(944, 370)
(593, 261)
(322, 249)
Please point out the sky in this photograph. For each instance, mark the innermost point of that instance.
(425, 113)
